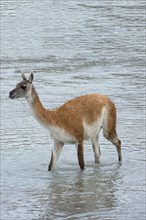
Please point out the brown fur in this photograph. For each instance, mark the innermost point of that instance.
(71, 115)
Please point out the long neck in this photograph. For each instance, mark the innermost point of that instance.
(37, 108)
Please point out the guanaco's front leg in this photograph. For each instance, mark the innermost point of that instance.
(55, 154)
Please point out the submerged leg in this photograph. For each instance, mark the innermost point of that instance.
(55, 154)
(80, 153)
(96, 149)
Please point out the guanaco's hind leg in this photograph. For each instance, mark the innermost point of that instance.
(117, 143)
(55, 154)
(80, 153)
(109, 129)
(114, 139)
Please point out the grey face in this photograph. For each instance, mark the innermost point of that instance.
(23, 89)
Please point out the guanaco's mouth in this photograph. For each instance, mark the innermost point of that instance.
(11, 97)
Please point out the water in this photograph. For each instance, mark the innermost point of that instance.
(73, 47)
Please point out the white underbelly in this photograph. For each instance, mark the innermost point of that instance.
(60, 135)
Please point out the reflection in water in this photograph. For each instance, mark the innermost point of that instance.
(82, 194)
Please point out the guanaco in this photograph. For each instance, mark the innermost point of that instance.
(75, 121)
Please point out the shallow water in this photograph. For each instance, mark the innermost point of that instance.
(73, 47)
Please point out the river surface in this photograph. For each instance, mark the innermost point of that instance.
(74, 47)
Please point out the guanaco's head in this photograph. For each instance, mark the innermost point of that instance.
(22, 89)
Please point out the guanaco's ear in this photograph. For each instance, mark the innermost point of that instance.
(23, 76)
(31, 77)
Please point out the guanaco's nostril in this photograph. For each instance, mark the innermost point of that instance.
(11, 94)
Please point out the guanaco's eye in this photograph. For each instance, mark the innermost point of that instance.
(23, 87)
